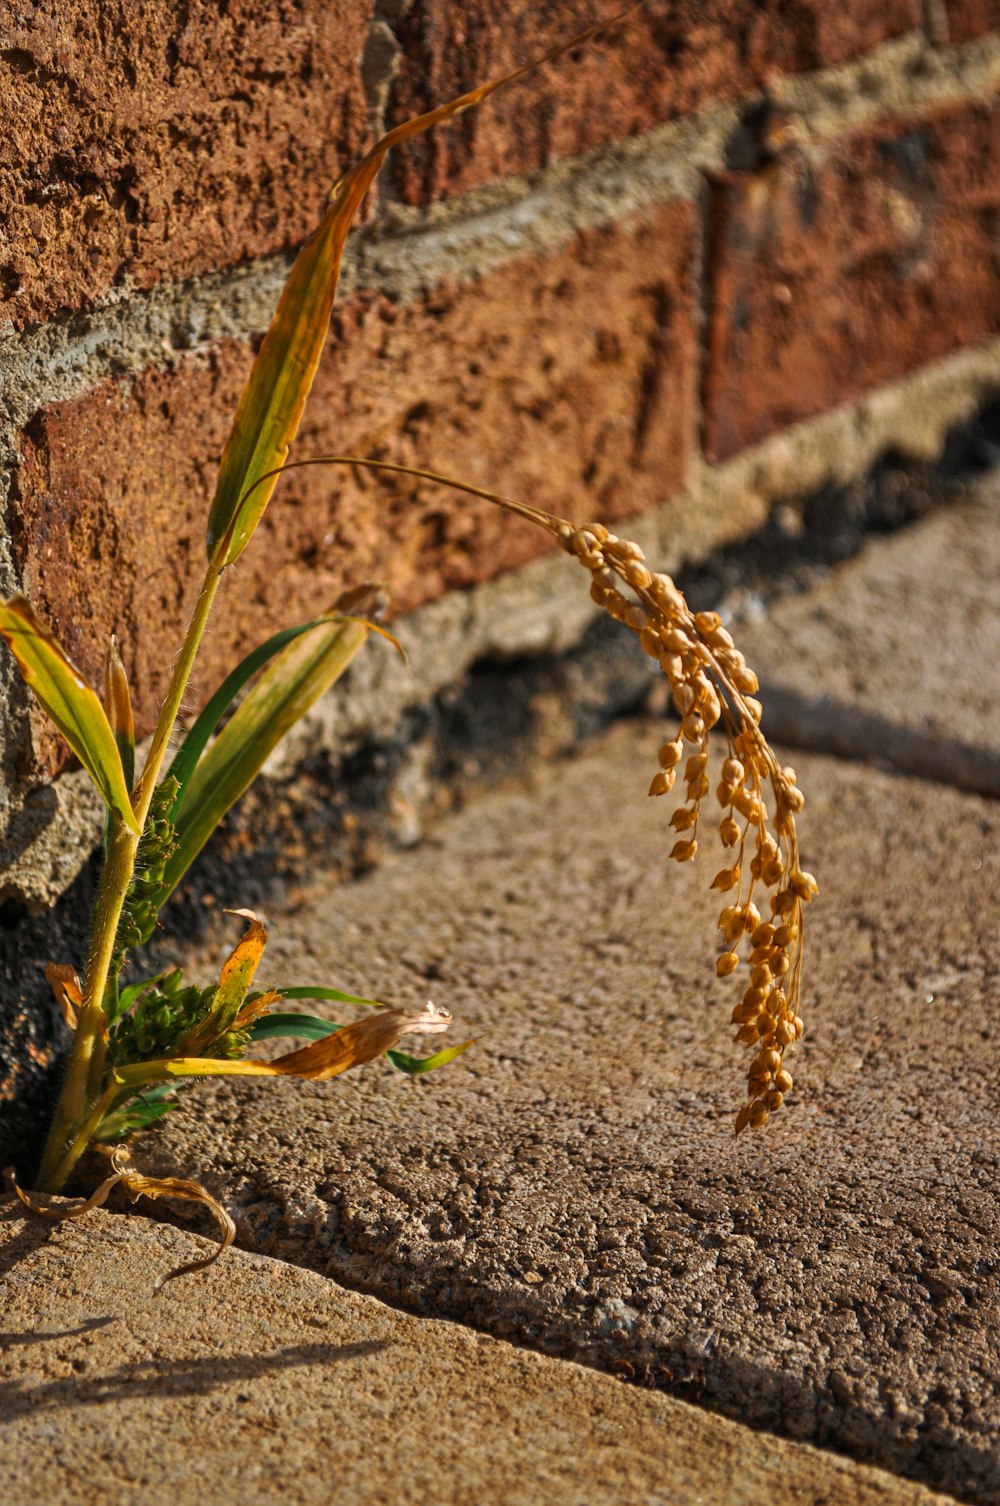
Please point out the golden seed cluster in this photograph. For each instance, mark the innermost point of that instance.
(712, 686)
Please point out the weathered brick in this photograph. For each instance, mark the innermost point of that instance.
(825, 280)
(568, 380)
(971, 18)
(150, 139)
(668, 59)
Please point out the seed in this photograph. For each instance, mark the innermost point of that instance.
(785, 935)
(758, 1116)
(761, 975)
(711, 707)
(649, 639)
(764, 935)
(635, 618)
(662, 783)
(726, 964)
(582, 542)
(683, 852)
(754, 708)
(623, 549)
(707, 622)
(804, 885)
(695, 765)
(684, 818)
(774, 1100)
(745, 680)
(747, 1035)
(665, 593)
(670, 754)
(770, 1061)
(693, 727)
(638, 577)
(684, 699)
(698, 788)
(726, 878)
(783, 1081)
(729, 831)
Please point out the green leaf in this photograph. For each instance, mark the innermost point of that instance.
(138, 1114)
(413, 1066)
(60, 687)
(333, 995)
(309, 1026)
(197, 739)
(285, 691)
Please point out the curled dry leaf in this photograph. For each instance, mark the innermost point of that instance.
(132, 1182)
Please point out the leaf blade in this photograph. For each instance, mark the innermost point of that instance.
(286, 689)
(336, 1052)
(68, 701)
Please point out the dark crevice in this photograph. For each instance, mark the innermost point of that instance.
(802, 540)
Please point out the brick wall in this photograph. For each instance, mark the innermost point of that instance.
(732, 250)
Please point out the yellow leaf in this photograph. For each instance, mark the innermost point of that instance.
(60, 687)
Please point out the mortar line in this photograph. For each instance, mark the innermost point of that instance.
(405, 250)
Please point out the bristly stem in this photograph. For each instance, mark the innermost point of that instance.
(74, 1121)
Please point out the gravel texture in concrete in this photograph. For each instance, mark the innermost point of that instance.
(257, 1382)
(572, 1183)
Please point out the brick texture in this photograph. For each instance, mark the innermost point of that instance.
(670, 58)
(150, 138)
(971, 18)
(583, 400)
(826, 280)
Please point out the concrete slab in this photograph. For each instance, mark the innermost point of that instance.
(257, 1382)
(573, 1183)
(895, 656)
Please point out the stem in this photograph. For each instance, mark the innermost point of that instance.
(74, 1120)
(82, 1138)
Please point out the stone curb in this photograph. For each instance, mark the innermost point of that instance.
(257, 1382)
(572, 1183)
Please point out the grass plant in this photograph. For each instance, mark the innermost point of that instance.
(135, 1041)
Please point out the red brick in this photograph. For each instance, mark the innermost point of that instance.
(664, 62)
(568, 380)
(826, 281)
(971, 18)
(154, 140)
